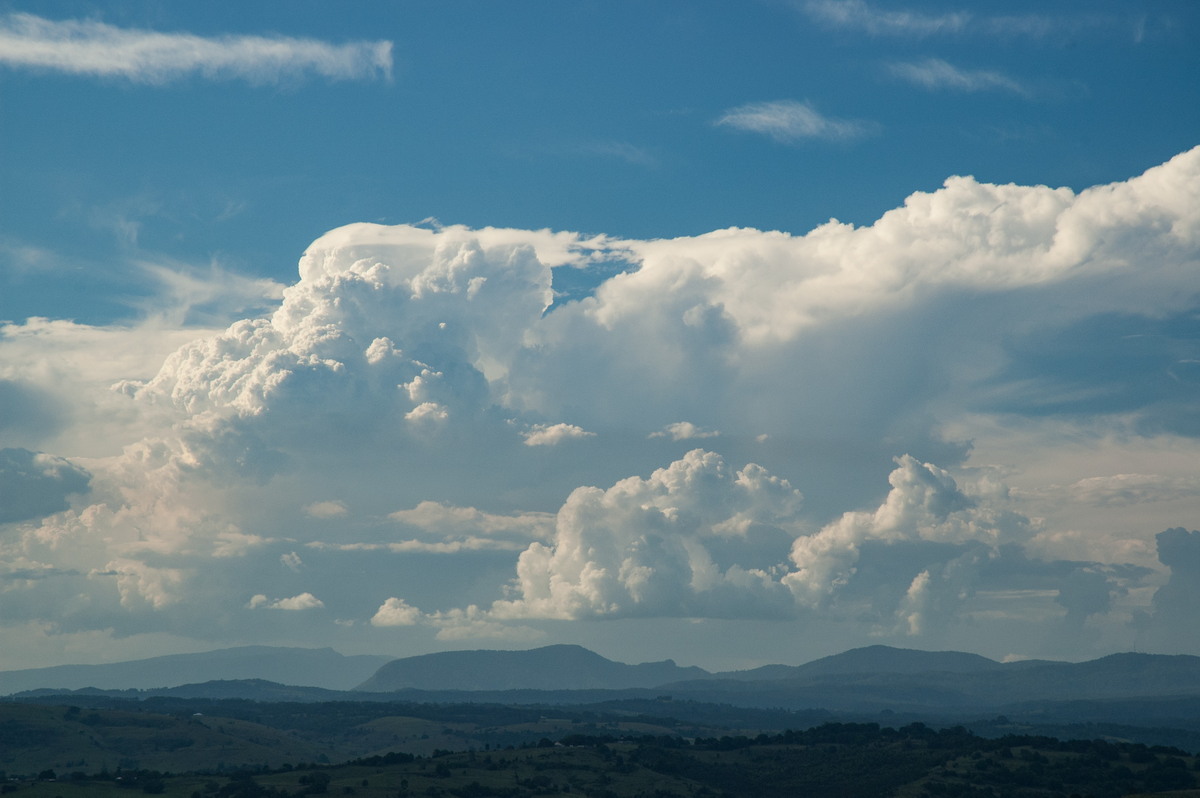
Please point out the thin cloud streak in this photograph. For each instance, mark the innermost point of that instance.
(934, 73)
(860, 15)
(91, 48)
(791, 121)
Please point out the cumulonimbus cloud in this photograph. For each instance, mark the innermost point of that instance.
(245, 445)
(97, 49)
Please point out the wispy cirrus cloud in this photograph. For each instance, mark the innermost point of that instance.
(97, 49)
(621, 151)
(934, 73)
(791, 121)
(860, 15)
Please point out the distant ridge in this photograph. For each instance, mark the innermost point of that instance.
(316, 667)
(559, 667)
(862, 680)
(872, 659)
(881, 677)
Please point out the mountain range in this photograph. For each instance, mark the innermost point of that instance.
(864, 680)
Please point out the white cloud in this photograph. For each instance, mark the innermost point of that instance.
(93, 48)
(924, 504)
(683, 431)
(857, 14)
(469, 623)
(554, 434)
(396, 612)
(326, 509)
(457, 546)
(825, 353)
(303, 601)
(232, 542)
(791, 121)
(435, 517)
(934, 73)
(870, 18)
(141, 584)
(427, 413)
(473, 623)
(639, 548)
(1127, 489)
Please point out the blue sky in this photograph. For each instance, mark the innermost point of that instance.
(608, 373)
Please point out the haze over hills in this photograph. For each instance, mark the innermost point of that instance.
(316, 667)
(870, 680)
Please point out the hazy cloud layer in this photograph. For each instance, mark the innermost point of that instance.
(420, 436)
(96, 49)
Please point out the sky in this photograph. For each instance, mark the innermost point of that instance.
(728, 332)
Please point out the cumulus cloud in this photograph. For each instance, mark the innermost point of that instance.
(472, 623)
(396, 612)
(791, 121)
(469, 623)
(140, 584)
(96, 49)
(639, 548)
(924, 504)
(303, 601)
(934, 73)
(554, 434)
(683, 431)
(658, 546)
